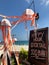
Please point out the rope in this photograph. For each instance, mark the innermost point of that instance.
(35, 26)
(32, 3)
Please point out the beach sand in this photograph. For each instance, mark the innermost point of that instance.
(16, 48)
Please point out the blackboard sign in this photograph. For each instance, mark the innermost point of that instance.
(38, 47)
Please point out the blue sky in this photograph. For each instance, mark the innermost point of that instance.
(17, 7)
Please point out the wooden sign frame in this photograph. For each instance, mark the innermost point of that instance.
(38, 46)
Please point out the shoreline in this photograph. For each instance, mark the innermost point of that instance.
(16, 48)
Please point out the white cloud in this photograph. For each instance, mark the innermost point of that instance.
(28, 1)
(45, 2)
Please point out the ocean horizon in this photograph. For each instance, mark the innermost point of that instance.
(22, 42)
(18, 42)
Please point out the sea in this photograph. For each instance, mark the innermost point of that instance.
(21, 42)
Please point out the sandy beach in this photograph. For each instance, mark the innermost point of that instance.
(16, 48)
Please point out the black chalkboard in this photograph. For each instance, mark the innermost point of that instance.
(38, 47)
